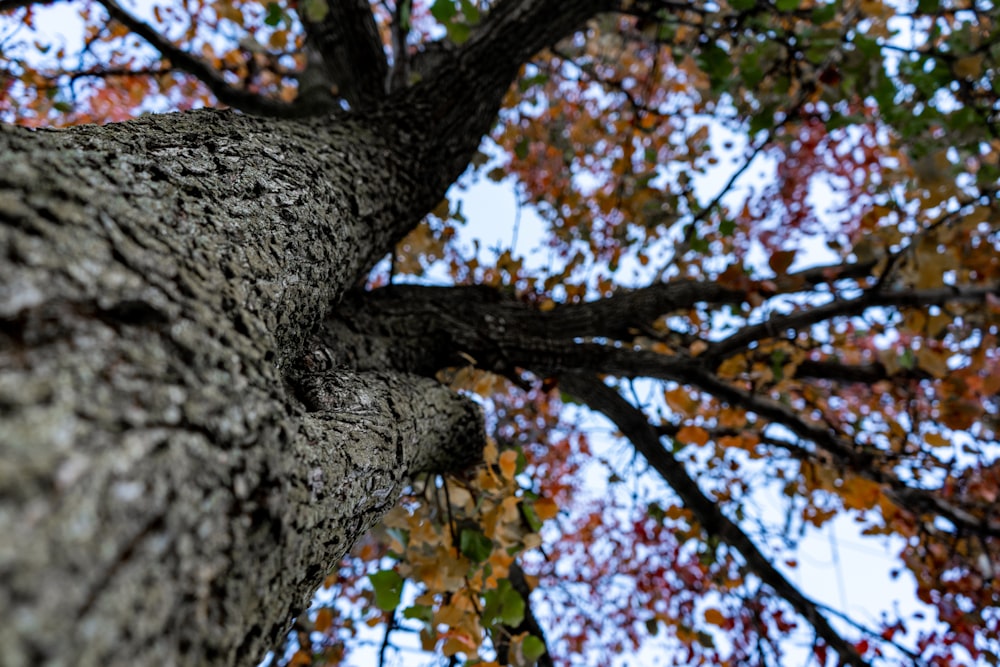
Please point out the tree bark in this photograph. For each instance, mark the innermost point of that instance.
(176, 475)
(180, 460)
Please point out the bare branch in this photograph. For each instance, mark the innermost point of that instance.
(634, 426)
(784, 325)
(238, 98)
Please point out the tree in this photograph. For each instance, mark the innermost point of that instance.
(207, 395)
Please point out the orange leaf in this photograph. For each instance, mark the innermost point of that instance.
(301, 659)
(324, 619)
(508, 464)
(693, 435)
(715, 617)
(546, 508)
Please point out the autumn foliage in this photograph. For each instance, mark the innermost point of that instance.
(828, 169)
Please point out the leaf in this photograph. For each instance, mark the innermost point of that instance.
(470, 11)
(780, 261)
(388, 587)
(444, 10)
(474, 545)
(532, 648)
(324, 620)
(511, 606)
(275, 15)
(936, 440)
(546, 508)
(715, 617)
(314, 10)
(508, 464)
(459, 33)
(420, 612)
(692, 435)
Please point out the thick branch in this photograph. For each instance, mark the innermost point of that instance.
(348, 40)
(425, 329)
(634, 426)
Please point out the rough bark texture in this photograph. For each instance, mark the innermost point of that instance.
(165, 496)
(180, 461)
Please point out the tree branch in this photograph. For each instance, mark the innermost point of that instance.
(793, 322)
(348, 40)
(634, 426)
(241, 99)
(503, 335)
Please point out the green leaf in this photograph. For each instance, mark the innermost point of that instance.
(522, 148)
(762, 121)
(503, 605)
(531, 517)
(511, 606)
(475, 546)
(824, 13)
(742, 5)
(716, 63)
(444, 10)
(64, 107)
(470, 11)
(314, 10)
(388, 587)
(420, 612)
(778, 364)
(908, 360)
(532, 648)
(727, 226)
(404, 14)
(459, 33)
(786, 5)
(750, 69)
(275, 15)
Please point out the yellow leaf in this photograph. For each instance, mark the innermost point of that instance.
(442, 210)
(508, 464)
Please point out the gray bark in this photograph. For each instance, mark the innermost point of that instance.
(175, 475)
(180, 460)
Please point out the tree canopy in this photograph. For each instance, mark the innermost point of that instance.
(770, 259)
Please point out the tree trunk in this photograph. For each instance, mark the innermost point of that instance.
(181, 459)
(179, 468)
